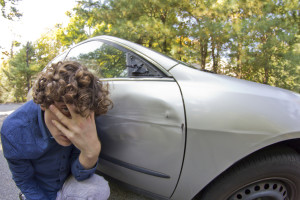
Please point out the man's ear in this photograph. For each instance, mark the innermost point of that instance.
(42, 108)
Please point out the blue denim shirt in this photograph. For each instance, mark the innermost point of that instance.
(38, 164)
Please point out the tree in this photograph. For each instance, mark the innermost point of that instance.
(152, 24)
(273, 31)
(248, 39)
(74, 32)
(207, 20)
(3, 82)
(20, 71)
(9, 9)
(49, 46)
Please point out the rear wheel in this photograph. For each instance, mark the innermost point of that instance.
(269, 175)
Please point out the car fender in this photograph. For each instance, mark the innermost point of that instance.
(228, 119)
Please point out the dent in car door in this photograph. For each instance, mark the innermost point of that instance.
(143, 135)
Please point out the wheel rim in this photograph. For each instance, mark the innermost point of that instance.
(265, 190)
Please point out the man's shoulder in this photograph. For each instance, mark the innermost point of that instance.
(18, 130)
(20, 118)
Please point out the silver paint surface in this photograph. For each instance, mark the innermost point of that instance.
(227, 119)
(144, 128)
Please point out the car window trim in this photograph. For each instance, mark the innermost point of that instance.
(167, 79)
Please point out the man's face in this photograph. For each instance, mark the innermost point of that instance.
(59, 137)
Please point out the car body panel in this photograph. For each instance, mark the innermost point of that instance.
(227, 119)
(143, 134)
(172, 136)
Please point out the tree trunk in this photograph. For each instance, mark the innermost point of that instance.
(150, 42)
(165, 45)
(12, 50)
(140, 41)
(266, 76)
(203, 52)
(218, 70)
(213, 55)
(239, 61)
(27, 65)
(180, 48)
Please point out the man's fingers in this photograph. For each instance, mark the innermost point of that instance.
(71, 109)
(63, 129)
(61, 117)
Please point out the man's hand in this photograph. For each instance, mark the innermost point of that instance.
(81, 131)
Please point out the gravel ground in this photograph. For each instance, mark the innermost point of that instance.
(9, 191)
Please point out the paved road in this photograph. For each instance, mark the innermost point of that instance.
(8, 190)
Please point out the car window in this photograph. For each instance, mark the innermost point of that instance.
(104, 60)
(108, 61)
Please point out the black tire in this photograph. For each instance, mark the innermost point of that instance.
(269, 175)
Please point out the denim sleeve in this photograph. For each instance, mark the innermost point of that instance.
(78, 170)
(22, 173)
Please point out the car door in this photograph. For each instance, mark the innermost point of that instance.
(143, 135)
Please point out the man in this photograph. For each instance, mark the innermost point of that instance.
(51, 143)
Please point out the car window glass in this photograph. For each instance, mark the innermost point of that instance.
(108, 61)
(102, 59)
(137, 67)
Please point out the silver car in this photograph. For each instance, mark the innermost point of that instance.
(179, 133)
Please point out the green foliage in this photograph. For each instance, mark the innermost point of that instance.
(248, 39)
(150, 23)
(110, 62)
(9, 9)
(48, 46)
(19, 72)
(254, 40)
(74, 32)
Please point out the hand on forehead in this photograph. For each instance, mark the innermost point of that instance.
(69, 110)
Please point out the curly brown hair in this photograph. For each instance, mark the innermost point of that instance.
(72, 83)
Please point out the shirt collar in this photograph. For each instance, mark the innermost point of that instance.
(44, 130)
